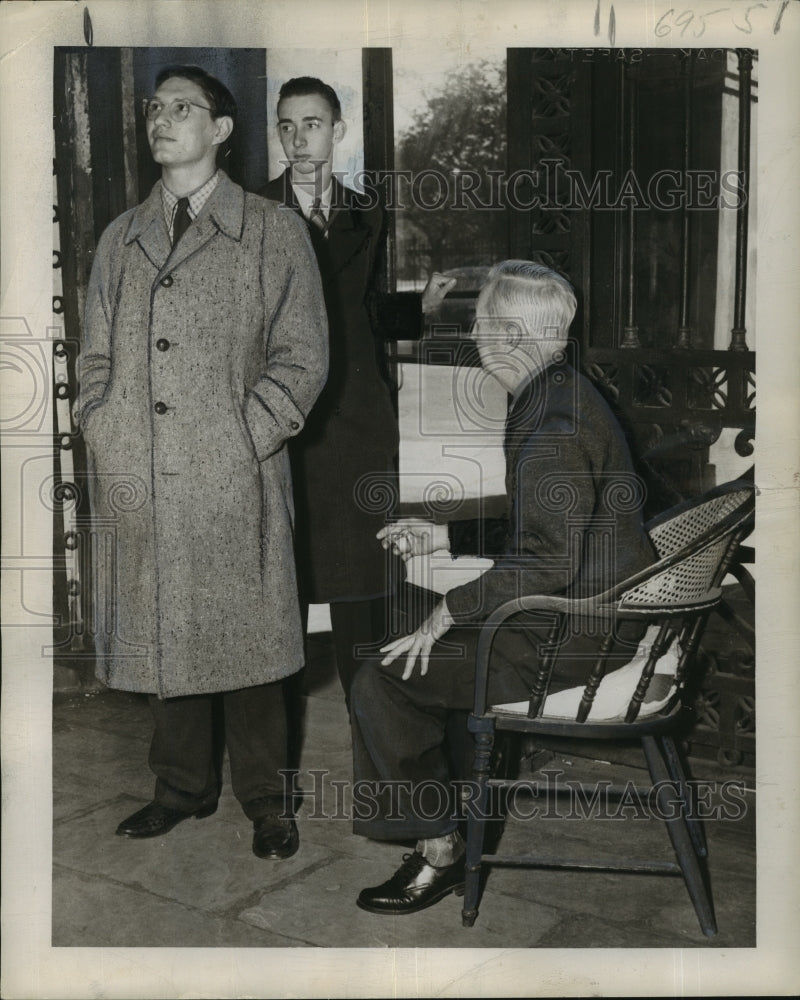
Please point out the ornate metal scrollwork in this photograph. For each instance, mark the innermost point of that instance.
(549, 221)
(700, 434)
(652, 386)
(606, 377)
(707, 388)
(743, 442)
(551, 96)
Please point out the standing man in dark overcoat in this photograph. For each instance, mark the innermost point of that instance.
(205, 346)
(351, 435)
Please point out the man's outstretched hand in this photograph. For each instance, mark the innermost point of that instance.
(418, 645)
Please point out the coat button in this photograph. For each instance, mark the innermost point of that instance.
(162, 344)
(294, 425)
(160, 408)
(167, 280)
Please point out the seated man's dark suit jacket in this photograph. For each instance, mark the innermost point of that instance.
(351, 432)
(570, 485)
(573, 527)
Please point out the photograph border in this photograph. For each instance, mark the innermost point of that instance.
(31, 968)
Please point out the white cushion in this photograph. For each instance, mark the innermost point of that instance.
(615, 689)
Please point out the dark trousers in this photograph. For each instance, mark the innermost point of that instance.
(403, 779)
(186, 749)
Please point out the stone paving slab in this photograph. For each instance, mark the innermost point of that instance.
(119, 712)
(136, 918)
(206, 864)
(90, 766)
(589, 931)
(658, 907)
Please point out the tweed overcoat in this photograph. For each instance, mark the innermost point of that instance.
(197, 366)
(351, 436)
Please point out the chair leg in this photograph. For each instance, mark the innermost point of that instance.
(681, 840)
(678, 775)
(476, 826)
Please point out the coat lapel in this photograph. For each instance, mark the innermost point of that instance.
(149, 229)
(346, 234)
(223, 212)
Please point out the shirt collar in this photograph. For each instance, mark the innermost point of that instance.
(306, 197)
(197, 199)
(225, 212)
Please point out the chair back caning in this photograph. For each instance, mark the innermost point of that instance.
(672, 533)
(693, 578)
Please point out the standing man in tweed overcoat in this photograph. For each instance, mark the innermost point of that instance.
(205, 347)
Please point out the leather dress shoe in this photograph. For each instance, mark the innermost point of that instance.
(154, 820)
(275, 839)
(415, 885)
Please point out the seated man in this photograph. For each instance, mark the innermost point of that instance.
(573, 527)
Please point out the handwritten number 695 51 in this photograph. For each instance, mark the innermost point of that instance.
(670, 21)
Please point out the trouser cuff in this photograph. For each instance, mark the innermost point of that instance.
(173, 798)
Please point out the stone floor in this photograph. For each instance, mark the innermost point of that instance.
(200, 886)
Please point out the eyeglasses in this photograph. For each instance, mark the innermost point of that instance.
(177, 110)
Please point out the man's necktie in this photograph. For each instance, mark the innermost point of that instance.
(317, 217)
(181, 221)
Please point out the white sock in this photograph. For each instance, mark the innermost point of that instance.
(442, 851)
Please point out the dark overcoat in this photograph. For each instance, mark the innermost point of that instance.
(351, 435)
(574, 522)
(197, 365)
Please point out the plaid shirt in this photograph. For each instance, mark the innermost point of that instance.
(197, 199)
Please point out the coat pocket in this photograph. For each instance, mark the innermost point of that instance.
(244, 427)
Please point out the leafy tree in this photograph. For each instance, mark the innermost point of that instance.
(460, 130)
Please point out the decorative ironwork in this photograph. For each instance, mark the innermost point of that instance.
(746, 714)
(559, 260)
(742, 443)
(713, 388)
(652, 386)
(725, 701)
(553, 147)
(699, 435)
(707, 389)
(750, 383)
(739, 331)
(606, 377)
(629, 96)
(550, 96)
(684, 341)
(551, 221)
(707, 710)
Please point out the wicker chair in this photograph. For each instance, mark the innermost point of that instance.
(696, 543)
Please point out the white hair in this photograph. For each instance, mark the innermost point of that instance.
(520, 290)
